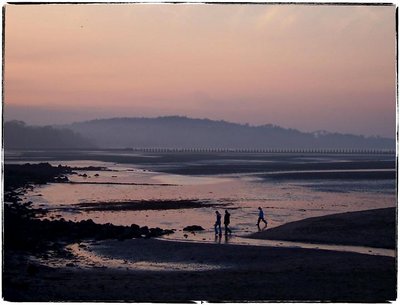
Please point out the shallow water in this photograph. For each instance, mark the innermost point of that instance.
(227, 239)
(88, 258)
(90, 255)
(241, 191)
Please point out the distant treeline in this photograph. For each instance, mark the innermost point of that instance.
(186, 133)
(17, 135)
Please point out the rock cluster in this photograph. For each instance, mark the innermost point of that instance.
(24, 231)
(193, 228)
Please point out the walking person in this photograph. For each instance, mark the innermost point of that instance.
(217, 225)
(227, 221)
(261, 217)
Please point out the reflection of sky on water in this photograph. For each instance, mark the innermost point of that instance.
(364, 186)
(189, 180)
(242, 193)
(137, 255)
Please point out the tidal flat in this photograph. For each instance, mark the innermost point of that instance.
(170, 191)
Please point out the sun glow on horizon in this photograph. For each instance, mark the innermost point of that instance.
(300, 66)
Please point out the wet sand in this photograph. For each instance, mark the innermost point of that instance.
(223, 163)
(348, 174)
(161, 270)
(372, 228)
(213, 272)
(143, 205)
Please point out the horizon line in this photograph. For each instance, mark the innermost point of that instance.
(204, 119)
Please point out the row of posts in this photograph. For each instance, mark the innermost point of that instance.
(266, 150)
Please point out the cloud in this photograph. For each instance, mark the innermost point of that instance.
(263, 62)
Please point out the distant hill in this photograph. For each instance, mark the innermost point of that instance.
(18, 135)
(183, 132)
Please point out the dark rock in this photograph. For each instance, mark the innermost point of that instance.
(168, 232)
(135, 227)
(193, 228)
(154, 232)
(144, 230)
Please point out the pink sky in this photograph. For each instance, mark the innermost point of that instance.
(306, 67)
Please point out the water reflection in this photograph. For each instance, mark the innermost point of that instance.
(226, 239)
(84, 257)
(282, 202)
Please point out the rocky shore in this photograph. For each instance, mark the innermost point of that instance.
(23, 231)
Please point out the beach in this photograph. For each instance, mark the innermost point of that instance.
(373, 228)
(320, 244)
(199, 153)
(161, 270)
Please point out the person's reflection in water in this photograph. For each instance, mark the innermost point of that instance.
(218, 238)
(227, 238)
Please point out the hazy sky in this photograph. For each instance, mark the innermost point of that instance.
(306, 67)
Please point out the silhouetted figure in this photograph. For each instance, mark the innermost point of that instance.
(261, 217)
(217, 225)
(227, 221)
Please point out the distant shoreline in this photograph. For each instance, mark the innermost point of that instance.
(346, 151)
(183, 134)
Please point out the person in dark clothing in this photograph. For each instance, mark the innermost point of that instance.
(261, 217)
(227, 221)
(217, 225)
